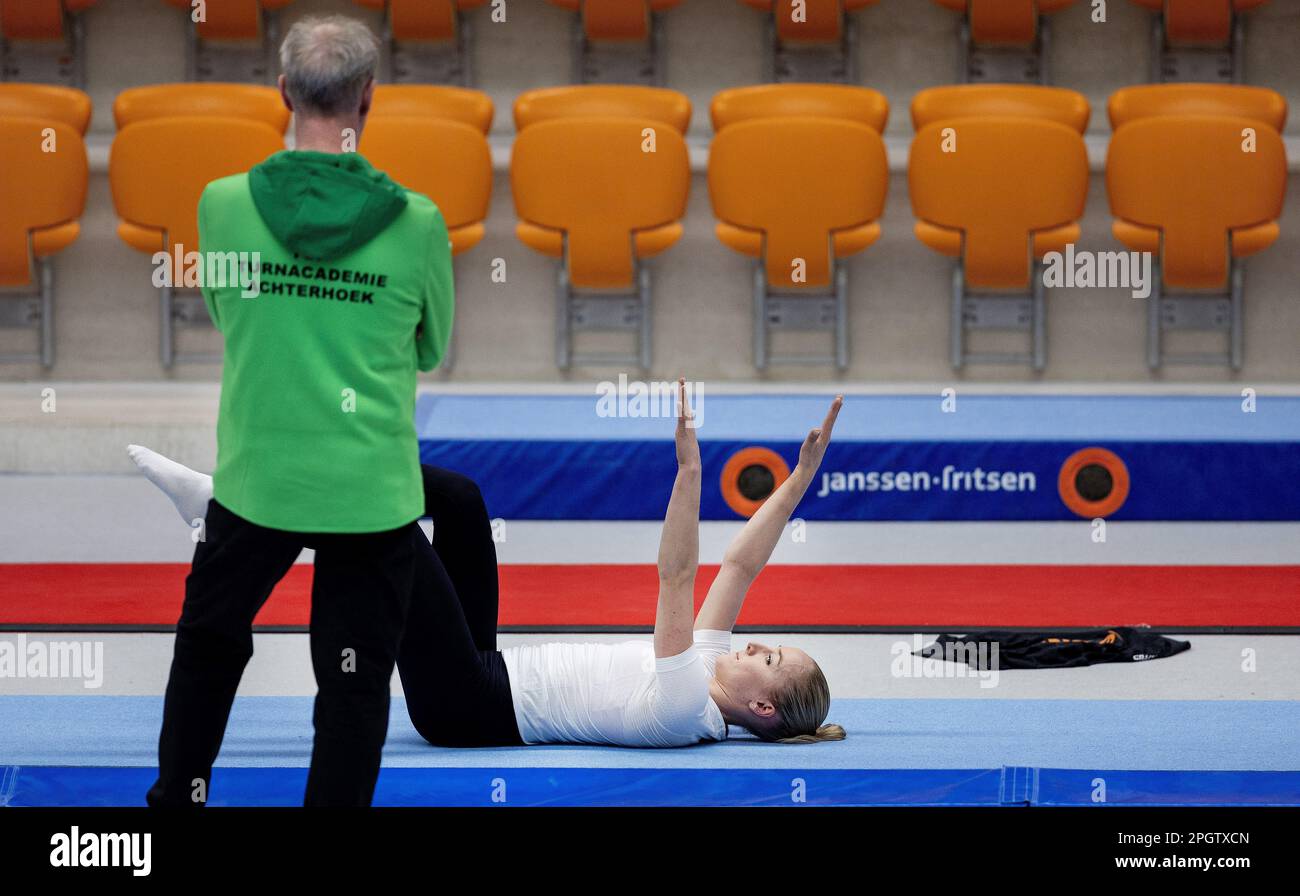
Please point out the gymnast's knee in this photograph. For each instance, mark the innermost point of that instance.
(438, 726)
(446, 491)
(434, 730)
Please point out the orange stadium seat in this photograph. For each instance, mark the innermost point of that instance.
(445, 159)
(1004, 40)
(38, 19)
(598, 100)
(230, 19)
(43, 192)
(65, 104)
(798, 176)
(427, 22)
(471, 107)
(1004, 21)
(423, 20)
(234, 41)
(616, 19)
(868, 107)
(1196, 176)
(818, 21)
(247, 101)
(587, 192)
(1199, 21)
(808, 24)
(157, 170)
(965, 175)
(617, 22)
(1068, 107)
(33, 23)
(1234, 100)
(1197, 40)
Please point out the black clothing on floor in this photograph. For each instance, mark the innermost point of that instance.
(1056, 650)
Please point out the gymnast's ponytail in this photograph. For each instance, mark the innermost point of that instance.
(801, 708)
(823, 732)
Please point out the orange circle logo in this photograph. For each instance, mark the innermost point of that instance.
(750, 476)
(1093, 482)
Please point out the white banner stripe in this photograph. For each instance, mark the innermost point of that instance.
(124, 519)
(1126, 544)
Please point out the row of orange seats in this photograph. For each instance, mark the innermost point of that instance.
(992, 22)
(175, 138)
(798, 174)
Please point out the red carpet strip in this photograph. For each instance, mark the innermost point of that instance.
(546, 596)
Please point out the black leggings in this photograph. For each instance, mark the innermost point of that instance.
(457, 690)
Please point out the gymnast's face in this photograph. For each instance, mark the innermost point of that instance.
(756, 672)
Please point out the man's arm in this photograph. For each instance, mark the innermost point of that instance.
(208, 300)
(679, 546)
(434, 332)
(751, 549)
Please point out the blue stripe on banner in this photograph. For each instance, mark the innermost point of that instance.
(897, 418)
(1020, 785)
(945, 480)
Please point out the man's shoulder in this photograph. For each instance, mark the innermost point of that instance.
(421, 206)
(231, 186)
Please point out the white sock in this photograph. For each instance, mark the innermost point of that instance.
(188, 489)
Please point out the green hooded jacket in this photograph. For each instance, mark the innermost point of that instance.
(353, 293)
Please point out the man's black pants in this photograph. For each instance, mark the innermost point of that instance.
(360, 594)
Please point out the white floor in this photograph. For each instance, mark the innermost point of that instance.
(1218, 667)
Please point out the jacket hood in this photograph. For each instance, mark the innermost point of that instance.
(323, 205)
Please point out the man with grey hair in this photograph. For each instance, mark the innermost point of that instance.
(316, 443)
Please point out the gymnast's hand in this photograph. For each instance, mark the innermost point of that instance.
(814, 447)
(688, 449)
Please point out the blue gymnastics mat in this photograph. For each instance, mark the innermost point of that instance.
(977, 752)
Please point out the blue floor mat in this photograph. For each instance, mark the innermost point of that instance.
(100, 751)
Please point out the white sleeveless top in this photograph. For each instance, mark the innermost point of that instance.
(618, 694)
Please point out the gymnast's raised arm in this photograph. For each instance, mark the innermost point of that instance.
(750, 550)
(679, 545)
